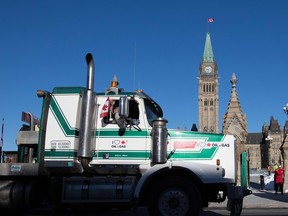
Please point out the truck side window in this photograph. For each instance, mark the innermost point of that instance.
(113, 108)
(133, 109)
(153, 110)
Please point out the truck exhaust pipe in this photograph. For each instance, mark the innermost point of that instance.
(159, 135)
(88, 117)
(91, 69)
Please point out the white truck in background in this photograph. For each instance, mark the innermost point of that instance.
(114, 149)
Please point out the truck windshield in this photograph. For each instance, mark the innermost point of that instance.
(153, 110)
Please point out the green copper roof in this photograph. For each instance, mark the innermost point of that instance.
(208, 52)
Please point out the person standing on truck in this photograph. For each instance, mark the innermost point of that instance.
(112, 107)
(279, 179)
(114, 114)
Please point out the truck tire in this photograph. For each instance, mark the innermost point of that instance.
(174, 196)
(236, 207)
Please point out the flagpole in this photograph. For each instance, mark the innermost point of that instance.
(1, 141)
(208, 26)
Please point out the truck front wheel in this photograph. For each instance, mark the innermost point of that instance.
(236, 207)
(174, 196)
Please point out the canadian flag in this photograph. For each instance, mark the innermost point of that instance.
(210, 20)
(105, 109)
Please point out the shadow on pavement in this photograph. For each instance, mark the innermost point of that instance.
(255, 185)
(270, 195)
(209, 213)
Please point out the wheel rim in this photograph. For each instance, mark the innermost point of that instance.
(173, 202)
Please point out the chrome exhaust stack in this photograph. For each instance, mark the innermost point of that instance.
(91, 71)
(88, 116)
(159, 136)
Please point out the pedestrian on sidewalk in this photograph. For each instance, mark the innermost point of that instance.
(269, 169)
(275, 167)
(279, 179)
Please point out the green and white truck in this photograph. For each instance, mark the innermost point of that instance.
(113, 149)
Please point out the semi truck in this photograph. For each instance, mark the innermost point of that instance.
(113, 149)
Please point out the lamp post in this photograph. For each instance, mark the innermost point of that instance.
(285, 109)
(284, 150)
(269, 140)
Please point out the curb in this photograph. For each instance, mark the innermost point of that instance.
(259, 199)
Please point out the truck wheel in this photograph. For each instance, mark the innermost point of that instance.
(236, 207)
(174, 196)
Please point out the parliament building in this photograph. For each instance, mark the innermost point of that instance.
(263, 148)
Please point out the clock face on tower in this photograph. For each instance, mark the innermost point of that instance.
(208, 69)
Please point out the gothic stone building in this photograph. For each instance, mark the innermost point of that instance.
(264, 148)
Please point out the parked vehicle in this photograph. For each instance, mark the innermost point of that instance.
(114, 149)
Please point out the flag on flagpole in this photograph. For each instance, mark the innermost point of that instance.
(210, 20)
(2, 131)
(105, 109)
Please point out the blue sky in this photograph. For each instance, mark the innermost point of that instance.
(154, 45)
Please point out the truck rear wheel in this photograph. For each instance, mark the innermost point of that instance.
(174, 196)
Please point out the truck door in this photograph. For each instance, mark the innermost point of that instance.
(121, 145)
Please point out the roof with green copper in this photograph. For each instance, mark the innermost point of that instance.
(208, 52)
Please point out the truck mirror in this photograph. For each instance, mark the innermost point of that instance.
(123, 112)
(124, 107)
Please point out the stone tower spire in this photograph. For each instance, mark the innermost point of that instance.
(208, 96)
(235, 123)
(208, 52)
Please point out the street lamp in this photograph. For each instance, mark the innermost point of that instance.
(269, 140)
(285, 109)
(284, 149)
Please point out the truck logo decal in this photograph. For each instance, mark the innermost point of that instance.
(184, 144)
(119, 144)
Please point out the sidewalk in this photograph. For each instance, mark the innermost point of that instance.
(260, 198)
